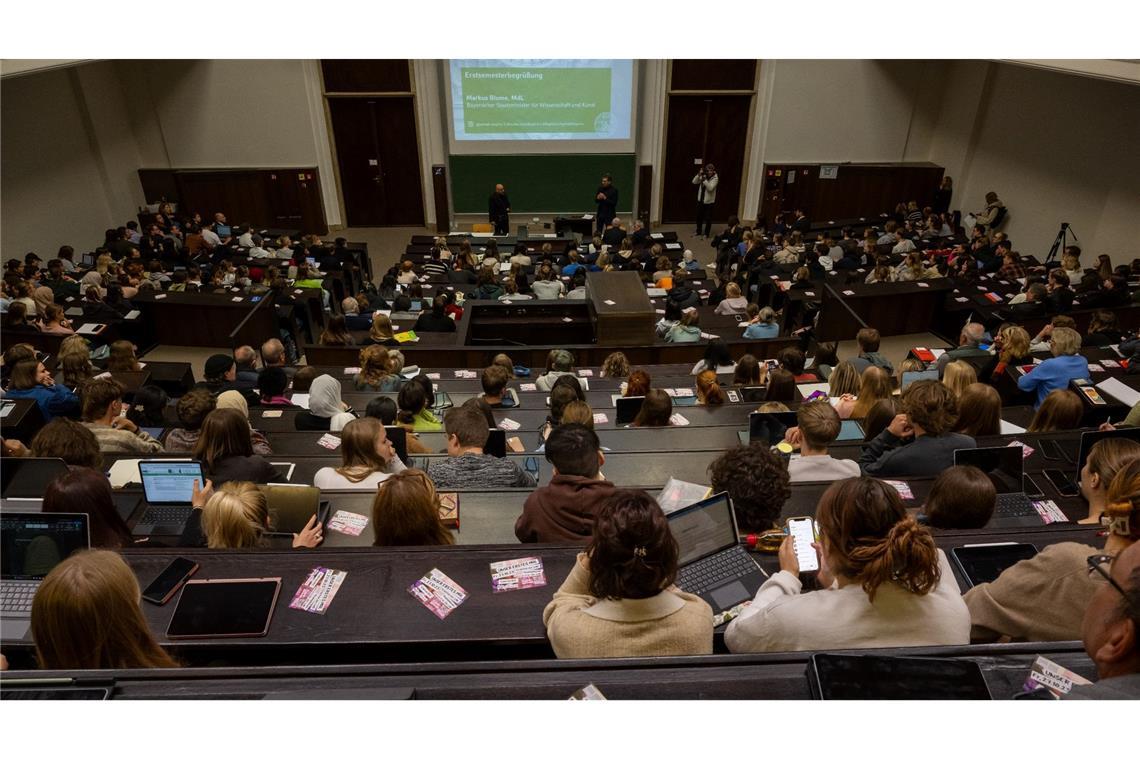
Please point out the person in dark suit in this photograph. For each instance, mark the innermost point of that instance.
(640, 234)
(499, 209)
(801, 223)
(607, 198)
(614, 234)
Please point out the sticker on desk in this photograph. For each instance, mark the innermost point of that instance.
(679, 392)
(508, 424)
(438, 593)
(271, 413)
(465, 374)
(318, 590)
(432, 375)
(1096, 368)
(600, 418)
(849, 292)
(567, 319)
(298, 291)
(809, 293)
(528, 387)
(923, 284)
(608, 302)
(982, 288)
(329, 441)
(517, 574)
(1110, 363)
(1026, 450)
(352, 370)
(678, 420)
(1050, 676)
(1049, 511)
(585, 373)
(237, 299)
(961, 299)
(901, 486)
(348, 523)
(160, 296)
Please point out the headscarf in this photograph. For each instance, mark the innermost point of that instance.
(43, 298)
(233, 400)
(324, 401)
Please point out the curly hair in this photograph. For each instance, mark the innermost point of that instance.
(757, 482)
(930, 405)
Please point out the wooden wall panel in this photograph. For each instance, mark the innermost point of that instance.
(693, 74)
(386, 75)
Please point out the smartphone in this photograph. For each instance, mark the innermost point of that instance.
(169, 581)
(803, 533)
(1064, 486)
(323, 509)
(1030, 487)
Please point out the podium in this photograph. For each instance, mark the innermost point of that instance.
(622, 312)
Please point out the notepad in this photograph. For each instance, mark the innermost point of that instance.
(806, 389)
(1008, 428)
(1119, 391)
(91, 328)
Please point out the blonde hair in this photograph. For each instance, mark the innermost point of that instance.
(578, 411)
(874, 386)
(1014, 344)
(86, 616)
(235, 517)
(1066, 341)
(958, 375)
(381, 327)
(844, 379)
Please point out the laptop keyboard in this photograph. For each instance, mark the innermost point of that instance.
(1014, 505)
(16, 596)
(715, 570)
(176, 516)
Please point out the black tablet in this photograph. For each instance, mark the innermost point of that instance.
(983, 563)
(835, 676)
(232, 607)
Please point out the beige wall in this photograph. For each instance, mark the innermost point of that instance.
(68, 160)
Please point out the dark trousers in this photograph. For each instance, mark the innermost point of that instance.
(501, 225)
(704, 216)
(603, 222)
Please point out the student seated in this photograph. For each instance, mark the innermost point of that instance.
(67, 440)
(102, 410)
(565, 509)
(495, 391)
(1056, 373)
(688, 330)
(466, 466)
(734, 302)
(868, 339)
(226, 452)
(236, 516)
(271, 385)
(1104, 460)
(979, 409)
(918, 441)
(817, 426)
(367, 458)
(1062, 409)
(414, 402)
(30, 379)
(191, 410)
(86, 616)
(326, 411)
(656, 410)
(405, 512)
(1111, 628)
(559, 362)
(1044, 598)
(708, 390)
(962, 497)
(762, 325)
(83, 489)
(377, 373)
(793, 360)
(884, 583)
(620, 599)
(756, 480)
(436, 320)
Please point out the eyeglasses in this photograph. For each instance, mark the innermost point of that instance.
(1096, 563)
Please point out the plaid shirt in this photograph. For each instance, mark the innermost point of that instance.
(1013, 271)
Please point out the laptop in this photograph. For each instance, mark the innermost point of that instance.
(1004, 466)
(33, 544)
(627, 408)
(496, 444)
(168, 487)
(712, 563)
(290, 506)
(29, 477)
(850, 430)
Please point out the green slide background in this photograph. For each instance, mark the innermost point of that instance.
(563, 183)
(516, 105)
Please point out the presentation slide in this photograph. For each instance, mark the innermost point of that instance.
(541, 99)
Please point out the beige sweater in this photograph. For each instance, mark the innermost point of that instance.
(781, 619)
(670, 623)
(1038, 599)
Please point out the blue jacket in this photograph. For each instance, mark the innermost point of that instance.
(53, 401)
(1053, 374)
(761, 330)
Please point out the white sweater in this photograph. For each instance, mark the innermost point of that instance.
(781, 619)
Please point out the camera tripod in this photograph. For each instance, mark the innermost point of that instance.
(1061, 243)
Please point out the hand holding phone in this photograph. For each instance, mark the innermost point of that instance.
(802, 534)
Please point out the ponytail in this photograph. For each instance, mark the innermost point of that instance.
(907, 555)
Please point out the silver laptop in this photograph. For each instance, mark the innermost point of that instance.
(712, 563)
(32, 544)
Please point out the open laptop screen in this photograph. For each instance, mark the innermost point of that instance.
(704, 528)
(170, 482)
(627, 408)
(35, 542)
(1003, 465)
(29, 477)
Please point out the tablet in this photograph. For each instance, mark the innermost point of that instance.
(834, 676)
(232, 607)
(983, 563)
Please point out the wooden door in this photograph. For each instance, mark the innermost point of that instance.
(711, 128)
(378, 157)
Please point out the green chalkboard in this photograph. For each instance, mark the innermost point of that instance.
(563, 183)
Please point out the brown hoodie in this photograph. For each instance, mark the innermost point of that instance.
(562, 511)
